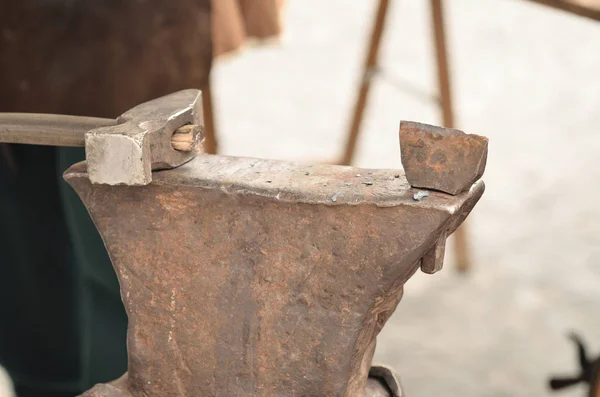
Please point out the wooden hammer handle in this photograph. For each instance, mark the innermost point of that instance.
(63, 130)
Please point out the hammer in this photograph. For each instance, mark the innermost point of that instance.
(160, 134)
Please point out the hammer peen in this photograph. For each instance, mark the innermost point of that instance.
(160, 134)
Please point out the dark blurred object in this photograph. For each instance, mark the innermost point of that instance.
(98, 57)
(589, 371)
(62, 324)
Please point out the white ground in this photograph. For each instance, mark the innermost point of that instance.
(529, 79)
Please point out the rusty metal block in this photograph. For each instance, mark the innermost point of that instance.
(433, 260)
(440, 158)
(246, 277)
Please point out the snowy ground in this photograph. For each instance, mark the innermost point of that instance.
(525, 76)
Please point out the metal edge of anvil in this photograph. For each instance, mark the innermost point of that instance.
(383, 382)
(388, 377)
(300, 183)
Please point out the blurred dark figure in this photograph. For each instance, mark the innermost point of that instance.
(589, 371)
(62, 323)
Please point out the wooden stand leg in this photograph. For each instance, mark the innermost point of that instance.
(437, 20)
(210, 136)
(365, 84)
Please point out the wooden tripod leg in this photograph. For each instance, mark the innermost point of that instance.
(437, 20)
(365, 84)
(210, 136)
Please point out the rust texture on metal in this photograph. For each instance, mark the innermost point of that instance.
(440, 158)
(247, 277)
(434, 259)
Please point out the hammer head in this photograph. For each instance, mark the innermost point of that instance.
(140, 142)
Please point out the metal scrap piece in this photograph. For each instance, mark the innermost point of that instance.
(440, 158)
(418, 196)
(433, 260)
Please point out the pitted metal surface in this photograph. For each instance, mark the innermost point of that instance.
(244, 277)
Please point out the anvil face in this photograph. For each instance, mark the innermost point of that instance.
(246, 277)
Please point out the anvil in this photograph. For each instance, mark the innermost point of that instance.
(250, 277)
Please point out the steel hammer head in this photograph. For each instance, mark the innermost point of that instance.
(140, 142)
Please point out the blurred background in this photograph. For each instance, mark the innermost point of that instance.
(524, 75)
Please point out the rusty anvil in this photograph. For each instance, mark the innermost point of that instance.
(248, 277)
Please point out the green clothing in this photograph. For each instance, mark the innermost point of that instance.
(62, 322)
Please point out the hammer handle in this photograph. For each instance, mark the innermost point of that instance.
(48, 129)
